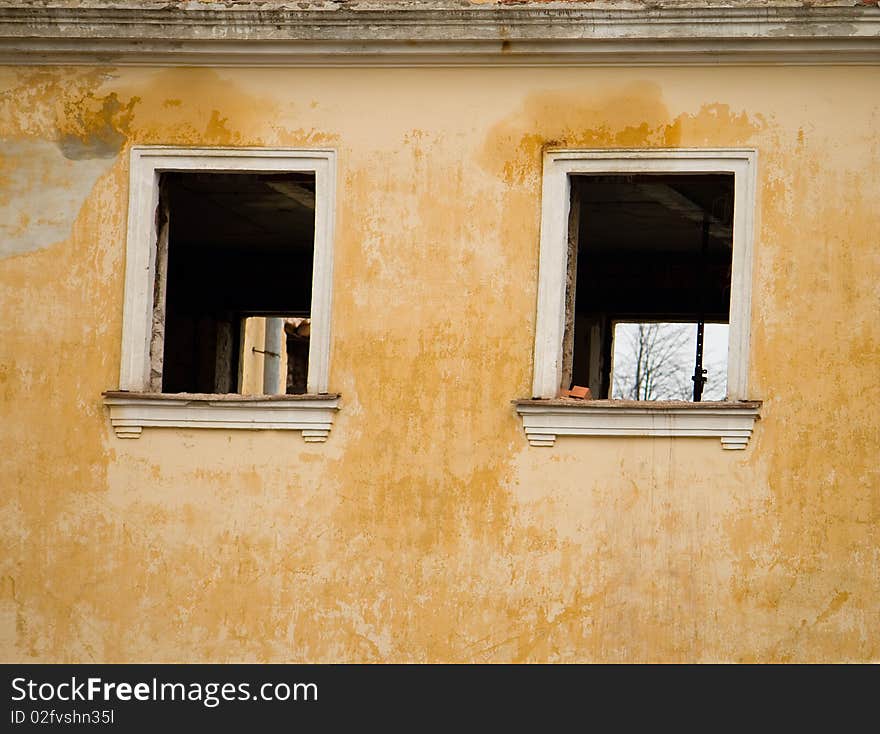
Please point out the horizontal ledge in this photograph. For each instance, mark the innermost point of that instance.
(445, 35)
(416, 53)
(643, 405)
(588, 159)
(356, 21)
(197, 397)
(310, 414)
(545, 420)
(256, 155)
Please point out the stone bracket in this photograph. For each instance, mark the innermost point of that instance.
(313, 415)
(545, 420)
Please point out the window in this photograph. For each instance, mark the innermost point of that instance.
(226, 319)
(644, 251)
(651, 258)
(234, 261)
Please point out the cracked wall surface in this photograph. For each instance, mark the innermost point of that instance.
(426, 528)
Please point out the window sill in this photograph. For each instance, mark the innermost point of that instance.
(544, 420)
(312, 414)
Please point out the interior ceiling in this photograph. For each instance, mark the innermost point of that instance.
(647, 213)
(257, 212)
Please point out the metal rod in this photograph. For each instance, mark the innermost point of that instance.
(699, 376)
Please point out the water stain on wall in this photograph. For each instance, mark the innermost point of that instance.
(206, 107)
(426, 528)
(628, 115)
(59, 133)
(96, 132)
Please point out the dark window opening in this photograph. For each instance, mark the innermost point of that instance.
(297, 333)
(232, 246)
(649, 285)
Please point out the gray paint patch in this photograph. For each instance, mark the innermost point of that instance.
(41, 193)
(106, 146)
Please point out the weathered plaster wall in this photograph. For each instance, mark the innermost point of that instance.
(426, 529)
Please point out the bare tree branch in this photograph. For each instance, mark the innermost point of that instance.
(653, 363)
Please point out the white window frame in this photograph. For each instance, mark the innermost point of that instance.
(311, 414)
(608, 417)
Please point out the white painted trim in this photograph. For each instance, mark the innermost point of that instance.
(559, 165)
(730, 422)
(313, 415)
(147, 162)
(439, 33)
(552, 278)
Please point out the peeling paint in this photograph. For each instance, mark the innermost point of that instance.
(426, 528)
(55, 186)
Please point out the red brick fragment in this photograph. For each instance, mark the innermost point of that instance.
(581, 393)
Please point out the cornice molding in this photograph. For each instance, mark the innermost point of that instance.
(545, 420)
(443, 34)
(312, 415)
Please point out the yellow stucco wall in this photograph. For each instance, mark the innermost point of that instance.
(426, 528)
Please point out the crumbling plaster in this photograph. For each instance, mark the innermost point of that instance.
(426, 528)
(442, 33)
